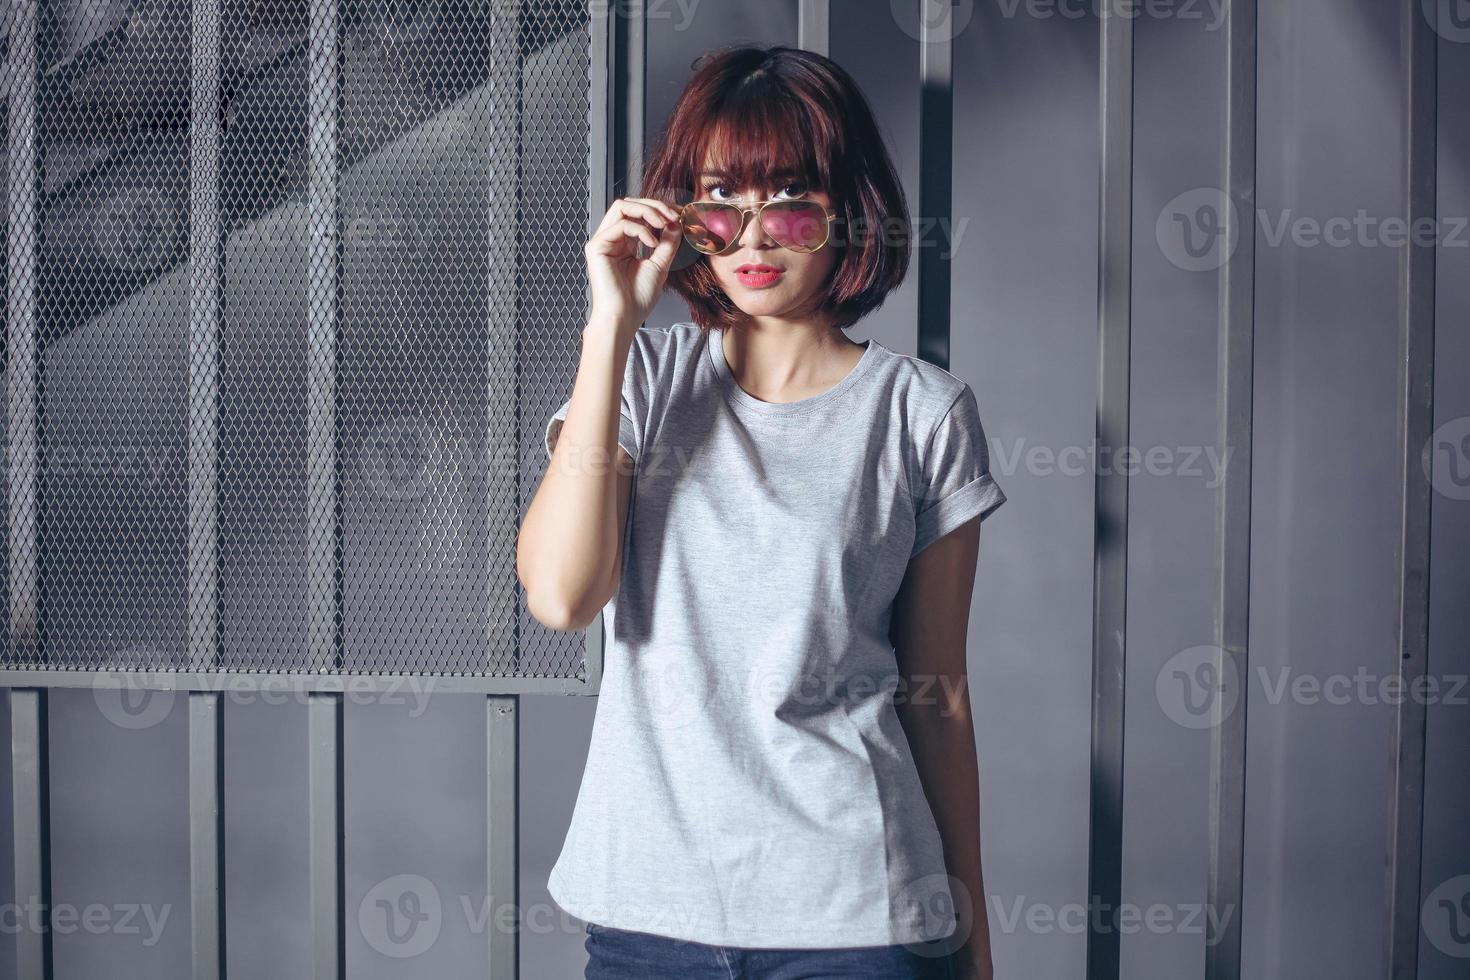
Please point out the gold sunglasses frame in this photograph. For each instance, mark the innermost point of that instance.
(757, 208)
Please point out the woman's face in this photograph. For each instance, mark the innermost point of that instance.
(798, 276)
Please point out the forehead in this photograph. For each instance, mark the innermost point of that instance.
(747, 164)
(776, 179)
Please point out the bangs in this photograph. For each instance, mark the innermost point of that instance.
(759, 138)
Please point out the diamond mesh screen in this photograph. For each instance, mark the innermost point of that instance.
(292, 286)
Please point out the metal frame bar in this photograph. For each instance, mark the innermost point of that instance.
(814, 26)
(629, 69)
(31, 819)
(936, 173)
(325, 836)
(363, 683)
(207, 837)
(503, 382)
(29, 734)
(503, 834)
(1225, 885)
(324, 501)
(1110, 554)
(206, 297)
(1415, 408)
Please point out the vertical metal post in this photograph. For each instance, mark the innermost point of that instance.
(814, 26)
(629, 69)
(502, 776)
(206, 835)
(503, 382)
(1415, 427)
(23, 443)
(1110, 554)
(31, 814)
(324, 565)
(502, 850)
(325, 799)
(324, 301)
(1233, 508)
(30, 776)
(206, 271)
(601, 115)
(936, 174)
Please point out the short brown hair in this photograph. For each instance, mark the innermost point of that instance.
(776, 111)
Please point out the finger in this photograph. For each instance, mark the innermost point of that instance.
(663, 255)
(613, 239)
(655, 210)
(632, 228)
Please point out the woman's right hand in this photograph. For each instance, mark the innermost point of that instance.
(625, 288)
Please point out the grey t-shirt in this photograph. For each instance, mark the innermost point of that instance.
(748, 782)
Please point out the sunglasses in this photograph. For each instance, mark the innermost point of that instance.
(714, 227)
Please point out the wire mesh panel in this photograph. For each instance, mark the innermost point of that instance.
(286, 312)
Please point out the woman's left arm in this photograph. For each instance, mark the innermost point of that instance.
(929, 628)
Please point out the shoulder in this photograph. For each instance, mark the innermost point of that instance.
(668, 337)
(656, 347)
(923, 393)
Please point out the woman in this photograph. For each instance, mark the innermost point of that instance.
(783, 526)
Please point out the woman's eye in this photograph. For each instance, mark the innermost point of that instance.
(792, 190)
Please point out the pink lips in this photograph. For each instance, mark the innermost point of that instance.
(757, 276)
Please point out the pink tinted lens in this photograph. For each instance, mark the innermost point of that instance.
(797, 224)
(713, 227)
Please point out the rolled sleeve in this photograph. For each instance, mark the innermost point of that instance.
(955, 484)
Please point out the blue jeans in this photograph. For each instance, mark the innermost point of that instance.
(621, 954)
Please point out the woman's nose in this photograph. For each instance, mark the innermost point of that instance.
(754, 235)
